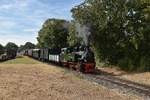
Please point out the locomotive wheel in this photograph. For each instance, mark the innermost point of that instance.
(81, 67)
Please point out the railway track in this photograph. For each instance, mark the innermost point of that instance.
(138, 88)
(121, 85)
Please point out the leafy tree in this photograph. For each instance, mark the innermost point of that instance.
(1, 49)
(11, 48)
(29, 45)
(120, 30)
(53, 34)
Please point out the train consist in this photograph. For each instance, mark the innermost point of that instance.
(79, 58)
(8, 55)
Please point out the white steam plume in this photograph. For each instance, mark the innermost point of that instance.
(83, 32)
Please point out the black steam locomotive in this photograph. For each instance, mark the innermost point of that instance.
(80, 58)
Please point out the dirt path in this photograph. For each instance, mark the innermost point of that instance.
(45, 82)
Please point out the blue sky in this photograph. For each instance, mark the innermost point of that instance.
(20, 20)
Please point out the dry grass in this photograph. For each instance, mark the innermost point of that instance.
(143, 78)
(27, 79)
(45, 82)
(112, 70)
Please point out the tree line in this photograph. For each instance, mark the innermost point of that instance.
(10, 47)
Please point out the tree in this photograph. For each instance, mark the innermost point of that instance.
(11, 46)
(1, 49)
(53, 34)
(29, 45)
(11, 49)
(120, 30)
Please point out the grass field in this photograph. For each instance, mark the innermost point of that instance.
(27, 79)
(22, 60)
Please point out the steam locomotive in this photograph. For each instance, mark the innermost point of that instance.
(79, 58)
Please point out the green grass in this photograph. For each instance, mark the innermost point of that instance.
(22, 60)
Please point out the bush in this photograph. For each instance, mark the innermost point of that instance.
(144, 64)
(126, 64)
